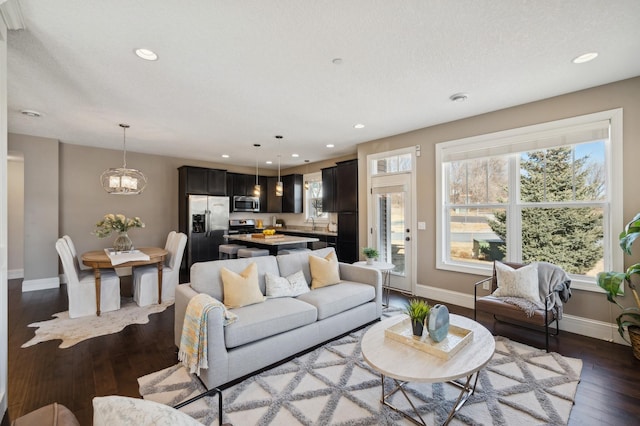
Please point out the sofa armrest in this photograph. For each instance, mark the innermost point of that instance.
(370, 276)
(184, 293)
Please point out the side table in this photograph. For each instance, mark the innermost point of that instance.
(385, 268)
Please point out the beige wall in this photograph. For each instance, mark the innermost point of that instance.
(624, 94)
(15, 216)
(40, 209)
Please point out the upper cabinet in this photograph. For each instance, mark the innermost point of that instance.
(329, 189)
(291, 200)
(347, 186)
(340, 187)
(202, 181)
(292, 197)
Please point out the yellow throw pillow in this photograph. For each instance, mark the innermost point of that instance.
(325, 271)
(241, 289)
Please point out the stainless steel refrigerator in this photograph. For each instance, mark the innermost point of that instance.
(208, 218)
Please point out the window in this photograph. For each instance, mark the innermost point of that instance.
(549, 192)
(313, 197)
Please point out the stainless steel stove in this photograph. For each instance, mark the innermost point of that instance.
(242, 226)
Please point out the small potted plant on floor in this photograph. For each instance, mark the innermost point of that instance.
(418, 310)
(612, 283)
(371, 254)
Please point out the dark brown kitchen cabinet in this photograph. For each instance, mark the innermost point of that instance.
(292, 197)
(291, 200)
(347, 186)
(262, 180)
(240, 184)
(347, 245)
(274, 204)
(329, 189)
(202, 181)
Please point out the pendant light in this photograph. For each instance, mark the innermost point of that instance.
(279, 186)
(256, 187)
(121, 180)
(307, 185)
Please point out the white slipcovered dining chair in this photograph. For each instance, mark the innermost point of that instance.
(81, 288)
(145, 278)
(74, 253)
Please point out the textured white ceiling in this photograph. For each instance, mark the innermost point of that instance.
(233, 73)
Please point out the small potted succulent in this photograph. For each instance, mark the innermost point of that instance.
(371, 254)
(418, 310)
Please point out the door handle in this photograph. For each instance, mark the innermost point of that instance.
(407, 239)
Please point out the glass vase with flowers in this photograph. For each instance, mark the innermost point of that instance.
(121, 224)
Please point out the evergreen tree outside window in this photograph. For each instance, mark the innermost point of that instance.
(537, 194)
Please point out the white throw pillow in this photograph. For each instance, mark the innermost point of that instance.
(522, 282)
(291, 286)
(121, 410)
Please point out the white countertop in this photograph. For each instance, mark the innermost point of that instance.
(284, 240)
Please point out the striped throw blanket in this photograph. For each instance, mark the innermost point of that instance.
(193, 342)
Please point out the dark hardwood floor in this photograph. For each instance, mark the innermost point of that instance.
(608, 394)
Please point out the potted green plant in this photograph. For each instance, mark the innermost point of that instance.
(612, 283)
(371, 254)
(418, 310)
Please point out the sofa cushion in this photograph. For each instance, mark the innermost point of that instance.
(272, 317)
(338, 298)
(241, 289)
(294, 262)
(205, 276)
(291, 286)
(324, 271)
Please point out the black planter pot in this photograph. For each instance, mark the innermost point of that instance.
(418, 327)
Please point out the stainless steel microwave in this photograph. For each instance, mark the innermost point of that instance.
(246, 204)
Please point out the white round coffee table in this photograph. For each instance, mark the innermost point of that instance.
(404, 363)
(385, 268)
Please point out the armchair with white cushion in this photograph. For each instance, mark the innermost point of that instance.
(145, 278)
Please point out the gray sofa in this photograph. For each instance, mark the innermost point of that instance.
(268, 332)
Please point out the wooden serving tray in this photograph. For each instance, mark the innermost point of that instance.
(267, 237)
(456, 339)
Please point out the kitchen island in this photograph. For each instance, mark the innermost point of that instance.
(273, 243)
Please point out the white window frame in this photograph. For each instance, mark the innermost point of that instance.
(523, 136)
(312, 177)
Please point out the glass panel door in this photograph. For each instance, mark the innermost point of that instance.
(391, 230)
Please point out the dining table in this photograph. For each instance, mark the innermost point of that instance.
(99, 259)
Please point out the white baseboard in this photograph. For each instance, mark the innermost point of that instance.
(13, 274)
(40, 284)
(570, 323)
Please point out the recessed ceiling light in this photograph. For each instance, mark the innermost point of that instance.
(295, 155)
(225, 155)
(459, 97)
(585, 58)
(330, 145)
(358, 126)
(337, 61)
(269, 162)
(146, 54)
(30, 113)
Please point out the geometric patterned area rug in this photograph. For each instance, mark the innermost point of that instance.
(75, 330)
(334, 386)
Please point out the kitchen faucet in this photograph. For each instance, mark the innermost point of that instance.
(313, 223)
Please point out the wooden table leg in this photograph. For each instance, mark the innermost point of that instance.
(96, 272)
(160, 282)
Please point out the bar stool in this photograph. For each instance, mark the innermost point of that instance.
(229, 251)
(252, 252)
